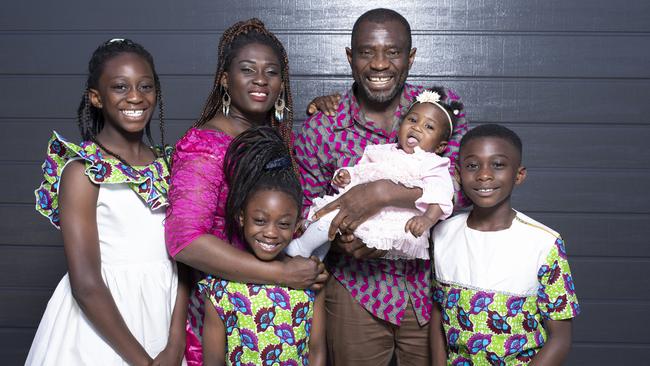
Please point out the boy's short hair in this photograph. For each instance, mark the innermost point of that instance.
(493, 130)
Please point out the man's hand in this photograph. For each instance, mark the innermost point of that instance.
(355, 207)
(353, 246)
(326, 104)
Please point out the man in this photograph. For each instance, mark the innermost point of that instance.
(376, 307)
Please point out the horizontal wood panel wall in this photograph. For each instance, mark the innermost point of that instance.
(571, 77)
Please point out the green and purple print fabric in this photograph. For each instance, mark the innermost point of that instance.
(493, 328)
(265, 325)
(149, 182)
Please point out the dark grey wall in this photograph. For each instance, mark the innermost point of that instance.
(572, 77)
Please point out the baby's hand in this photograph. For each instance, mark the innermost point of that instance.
(417, 225)
(342, 178)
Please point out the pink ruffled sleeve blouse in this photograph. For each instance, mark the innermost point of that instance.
(198, 190)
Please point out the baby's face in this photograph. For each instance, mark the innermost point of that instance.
(425, 126)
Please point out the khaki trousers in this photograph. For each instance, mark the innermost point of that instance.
(356, 337)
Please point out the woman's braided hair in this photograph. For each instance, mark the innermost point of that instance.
(234, 39)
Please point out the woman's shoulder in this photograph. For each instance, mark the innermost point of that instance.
(203, 141)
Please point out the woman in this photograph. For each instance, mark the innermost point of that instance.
(251, 88)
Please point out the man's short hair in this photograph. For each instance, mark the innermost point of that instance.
(382, 15)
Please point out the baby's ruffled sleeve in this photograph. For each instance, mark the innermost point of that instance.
(437, 188)
(196, 180)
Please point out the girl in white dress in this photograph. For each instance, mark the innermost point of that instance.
(121, 301)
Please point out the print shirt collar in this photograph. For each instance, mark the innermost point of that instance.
(355, 116)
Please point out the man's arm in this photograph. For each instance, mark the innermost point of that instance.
(313, 164)
(365, 200)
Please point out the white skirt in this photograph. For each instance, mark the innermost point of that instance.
(145, 298)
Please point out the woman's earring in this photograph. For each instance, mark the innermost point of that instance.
(279, 107)
(225, 101)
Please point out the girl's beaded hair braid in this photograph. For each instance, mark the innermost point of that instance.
(257, 159)
(90, 118)
(233, 39)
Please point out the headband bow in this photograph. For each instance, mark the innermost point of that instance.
(432, 97)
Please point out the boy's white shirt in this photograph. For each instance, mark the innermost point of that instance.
(505, 261)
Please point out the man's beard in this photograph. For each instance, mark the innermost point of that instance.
(385, 96)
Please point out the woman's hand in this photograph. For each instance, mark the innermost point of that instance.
(301, 273)
(326, 104)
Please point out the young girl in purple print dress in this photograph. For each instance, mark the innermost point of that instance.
(414, 162)
(251, 324)
(120, 302)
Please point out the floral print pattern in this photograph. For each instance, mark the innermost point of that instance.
(265, 325)
(491, 328)
(149, 182)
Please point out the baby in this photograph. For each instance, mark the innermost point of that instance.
(412, 162)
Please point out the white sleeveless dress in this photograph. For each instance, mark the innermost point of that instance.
(137, 271)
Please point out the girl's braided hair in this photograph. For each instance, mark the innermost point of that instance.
(90, 118)
(234, 39)
(257, 159)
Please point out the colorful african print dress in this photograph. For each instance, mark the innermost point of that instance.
(496, 288)
(135, 265)
(265, 325)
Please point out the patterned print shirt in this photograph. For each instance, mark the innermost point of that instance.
(325, 144)
(497, 288)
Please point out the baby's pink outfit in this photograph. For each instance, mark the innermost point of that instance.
(385, 230)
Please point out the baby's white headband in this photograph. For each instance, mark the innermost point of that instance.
(432, 97)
